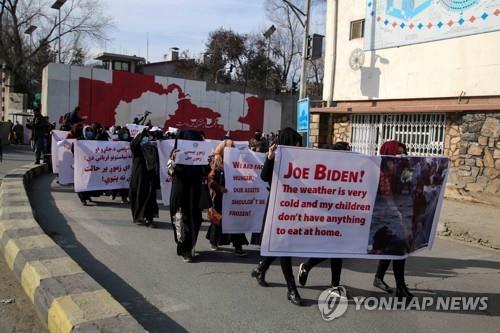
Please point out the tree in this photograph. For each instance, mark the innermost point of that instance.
(260, 71)
(80, 19)
(242, 59)
(286, 42)
(226, 50)
(315, 77)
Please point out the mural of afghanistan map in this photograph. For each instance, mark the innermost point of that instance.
(391, 23)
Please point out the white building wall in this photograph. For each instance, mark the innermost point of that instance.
(430, 70)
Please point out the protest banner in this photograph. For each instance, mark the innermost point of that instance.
(102, 165)
(242, 145)
(331, 204)
(135, 129)
(244, 204)
(65, 161)
(213, 143)
(56, 137)
(193, 152)
(165, 147)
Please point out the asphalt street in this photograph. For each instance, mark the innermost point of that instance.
(140, 268)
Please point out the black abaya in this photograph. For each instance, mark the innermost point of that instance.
(144, 181)
(185, 195)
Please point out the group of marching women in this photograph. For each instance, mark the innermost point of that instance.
(198, 187)
(189, 189)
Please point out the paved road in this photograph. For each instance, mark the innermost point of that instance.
(19, 315)
(139, 267)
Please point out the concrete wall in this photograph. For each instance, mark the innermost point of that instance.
(435, 69)
(122, 96)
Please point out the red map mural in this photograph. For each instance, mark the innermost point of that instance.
(99, 100)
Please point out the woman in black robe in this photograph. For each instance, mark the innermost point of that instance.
(145, 179)
(217, 184)
(287, 137)
(185, 198)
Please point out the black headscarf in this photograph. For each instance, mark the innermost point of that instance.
(289, 137)
(191, 135)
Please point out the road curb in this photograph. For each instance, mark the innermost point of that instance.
(66, 299)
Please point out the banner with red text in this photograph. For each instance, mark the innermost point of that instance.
(65, 161)
(244, 204)
(135, 129)
(102, 165)
(341, 204)
(56, 137)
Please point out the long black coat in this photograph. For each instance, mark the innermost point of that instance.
(144, 182)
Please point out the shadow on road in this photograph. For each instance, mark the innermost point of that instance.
(433, 268)
(46, 213)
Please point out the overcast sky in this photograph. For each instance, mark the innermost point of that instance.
(176, 23)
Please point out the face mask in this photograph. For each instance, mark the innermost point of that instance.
(144, 140)
(89, 135)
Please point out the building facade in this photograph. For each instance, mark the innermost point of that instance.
(439, 97)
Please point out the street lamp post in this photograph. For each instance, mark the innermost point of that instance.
(29, 32)
(269, 32)
(305, 24)
(57, 5)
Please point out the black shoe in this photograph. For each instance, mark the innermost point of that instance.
(293, 294)
(260, 276)
(302, 275)
(240, 253)
(379, 283)
(294, 297)
(84, 202)
(187, 258)
(402, 291)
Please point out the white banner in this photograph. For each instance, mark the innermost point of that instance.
(193, 152)
(56, 136)
(331, 204)
(241, 145)
(102, 165)
(135, 129)
(243, 206)
(321, 203)
(394, 23)
(164, 149)
(65, 161)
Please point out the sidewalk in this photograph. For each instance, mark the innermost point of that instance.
(15, 156)
(17, 314)
(471, 222)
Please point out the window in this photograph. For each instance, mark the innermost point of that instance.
(121, 66)
(422, 133)
(357, 29)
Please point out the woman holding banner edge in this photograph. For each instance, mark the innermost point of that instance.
(392, 148)
(287, 137)
(217, 185)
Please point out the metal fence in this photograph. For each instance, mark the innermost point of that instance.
(423, 133)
